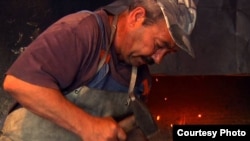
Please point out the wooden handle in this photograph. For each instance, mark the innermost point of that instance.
(128, 123)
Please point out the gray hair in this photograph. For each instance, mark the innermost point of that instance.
(153, 12)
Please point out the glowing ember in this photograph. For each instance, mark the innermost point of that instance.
(165, 99)
(199, 115)
(158, 117)
(156, 79)
(171, 125)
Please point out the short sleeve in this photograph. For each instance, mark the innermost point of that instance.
(54, 59)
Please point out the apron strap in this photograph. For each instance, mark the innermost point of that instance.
(113, 29)
(134, 69)
(131, 95)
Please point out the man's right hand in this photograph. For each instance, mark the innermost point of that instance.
(103, 129)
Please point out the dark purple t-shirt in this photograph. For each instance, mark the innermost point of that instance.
(66, 55)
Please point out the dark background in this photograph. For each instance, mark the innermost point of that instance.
(216, 82)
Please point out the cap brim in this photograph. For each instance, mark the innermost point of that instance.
(180, 22)
(181, 39)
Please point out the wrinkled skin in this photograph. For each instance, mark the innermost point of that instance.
(134, 40)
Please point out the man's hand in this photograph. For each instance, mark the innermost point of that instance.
(103, 129)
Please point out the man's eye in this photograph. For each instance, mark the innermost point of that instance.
(158, 47)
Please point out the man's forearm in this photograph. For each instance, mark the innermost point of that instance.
(47, 103)
(52, 105)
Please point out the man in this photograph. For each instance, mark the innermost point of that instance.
(96, 51)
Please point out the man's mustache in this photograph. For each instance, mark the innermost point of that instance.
(148, 60)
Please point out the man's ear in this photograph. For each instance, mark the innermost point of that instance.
(136, 16)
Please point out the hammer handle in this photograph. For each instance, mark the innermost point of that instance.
(128, 123)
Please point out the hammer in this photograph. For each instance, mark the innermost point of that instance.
(143, 119)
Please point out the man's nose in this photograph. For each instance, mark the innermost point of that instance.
(158, 56)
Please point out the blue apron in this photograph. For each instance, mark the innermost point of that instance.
(103, 96)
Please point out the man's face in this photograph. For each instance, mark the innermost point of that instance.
(147, 44)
